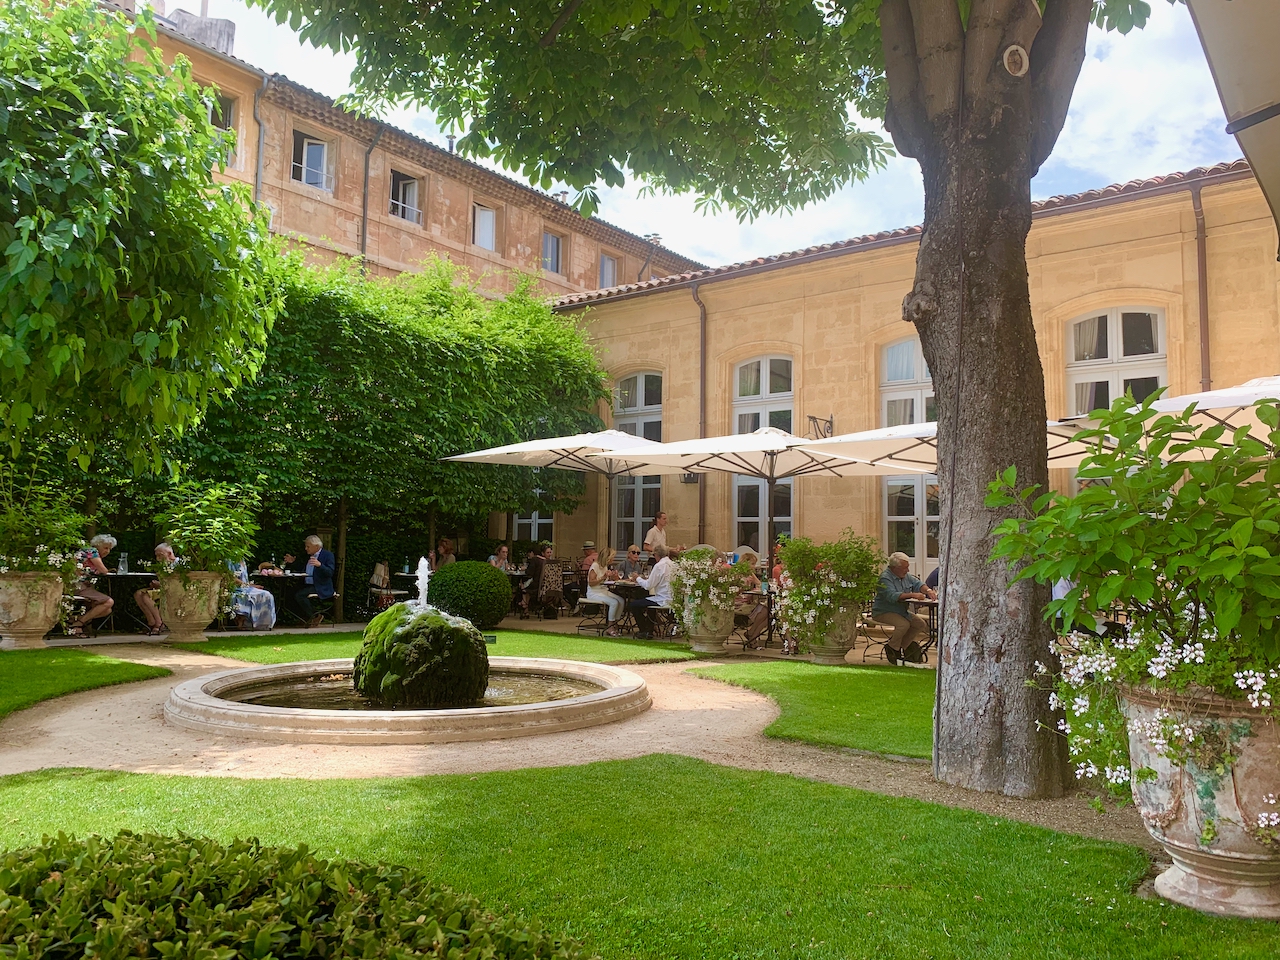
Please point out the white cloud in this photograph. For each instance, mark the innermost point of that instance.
(1145, 105)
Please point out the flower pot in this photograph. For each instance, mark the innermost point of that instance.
(188, 605)
(708, 627)
(837, 641)
(30, 604)
(1205, 810)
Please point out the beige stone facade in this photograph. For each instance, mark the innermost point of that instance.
(1119, 255)
(418, 200)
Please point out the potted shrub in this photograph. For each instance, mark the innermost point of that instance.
(704, 587)
(825, 586)
(1180, 527)
(39, 535)
(208, 526)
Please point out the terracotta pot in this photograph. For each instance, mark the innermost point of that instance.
(1207, 820)
(711, 629)
(189, 607)
(838, 641)
(30, 604)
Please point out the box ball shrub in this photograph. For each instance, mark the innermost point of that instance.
(421, 660)
(144, 895)
(472, 590)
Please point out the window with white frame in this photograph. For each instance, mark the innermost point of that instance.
(535, 526)
(637, 410)
(608, 271)
(404, 197)
(484, 226)
(763, 396)
(552, 250)
(1112, 352)
(912, 520)
(311, 161)
(222, 115)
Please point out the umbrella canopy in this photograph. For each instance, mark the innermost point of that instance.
(1231, 406)
(914, 446)
(608, 452)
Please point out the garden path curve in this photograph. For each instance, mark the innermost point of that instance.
(122, 728)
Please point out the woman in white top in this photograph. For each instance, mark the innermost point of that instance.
(598, 575)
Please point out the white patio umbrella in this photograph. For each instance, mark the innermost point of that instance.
(915, 445)
(1231, 406)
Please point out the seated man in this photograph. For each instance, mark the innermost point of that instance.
(658, 583)
(320, 568)
(898, 585)
(146, 597)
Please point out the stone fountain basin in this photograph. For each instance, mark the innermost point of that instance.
(200, 705)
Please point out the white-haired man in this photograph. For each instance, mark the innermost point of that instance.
(319, 568)
(898, 585)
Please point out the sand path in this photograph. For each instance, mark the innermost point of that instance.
(122, 728)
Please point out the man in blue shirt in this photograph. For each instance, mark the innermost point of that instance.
(898, 585)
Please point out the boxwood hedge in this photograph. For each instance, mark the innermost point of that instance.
(144, 895)
(472, 590)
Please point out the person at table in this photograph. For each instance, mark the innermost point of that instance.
(631, 566)
(319, 568)
(252, 605)
(589, 554)
(89, 565)
(896, 586)
(147, 597)
(444, 554)
(546, 583)
(599, 575)
(657, 535)
(658, 583)
(931, 581)
(502, 559)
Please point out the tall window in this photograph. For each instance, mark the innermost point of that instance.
(404, 197)
(552, 245)
(608, 271)
(311, 161)
(1114, 351)
(484, 226)
(534, 526)
(763, 396)
(637, 410)
(911, 507)
(222, 115)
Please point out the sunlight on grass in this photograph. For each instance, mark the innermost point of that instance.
(29, 676)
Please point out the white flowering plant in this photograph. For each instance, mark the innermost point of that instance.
(39, 530)
(824, 582)
(703, 580)
(1168, 560)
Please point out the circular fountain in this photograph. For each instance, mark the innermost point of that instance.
(316, 702)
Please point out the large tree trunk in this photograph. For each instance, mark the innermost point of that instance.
(980, 132)
(340, 580)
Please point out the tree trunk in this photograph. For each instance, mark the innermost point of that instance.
(340, 575)
(431, 536)
(964, 103)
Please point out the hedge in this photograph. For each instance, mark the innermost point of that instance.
(472, 590)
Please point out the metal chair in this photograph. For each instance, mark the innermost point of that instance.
(595, 617)
(381, 593)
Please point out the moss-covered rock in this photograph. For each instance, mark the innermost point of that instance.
(472, 590)
(422, 660)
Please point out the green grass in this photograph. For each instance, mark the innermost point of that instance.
(287, 647)
(882, 709)
(668, 857)
(29, 676)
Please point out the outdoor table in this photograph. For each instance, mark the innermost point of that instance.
(930, 609)
(120, 587)
(628, 590)
(282, 586)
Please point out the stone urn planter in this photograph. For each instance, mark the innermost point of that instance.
(188, 605)
(837, 642)
(1208, 810)
(30, 604)
(708, 628)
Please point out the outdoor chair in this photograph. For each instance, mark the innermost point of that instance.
(381, 593)
(665, 624)
(876, 635)
(323, 606)
(595, 617)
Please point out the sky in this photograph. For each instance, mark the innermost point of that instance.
(1145, 105)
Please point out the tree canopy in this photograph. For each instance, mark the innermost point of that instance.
(135, 289)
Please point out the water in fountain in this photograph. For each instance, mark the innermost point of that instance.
(424, 576)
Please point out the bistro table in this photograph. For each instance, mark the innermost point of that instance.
(930, 609)
(628, 590)
(282, 586)
(120, 587)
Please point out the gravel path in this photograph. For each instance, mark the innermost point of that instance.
(122, 728)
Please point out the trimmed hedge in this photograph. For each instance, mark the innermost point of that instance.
(421, 660)
(144, 895)
(472, 590)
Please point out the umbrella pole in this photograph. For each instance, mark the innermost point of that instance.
(768, 529)
(608, 514)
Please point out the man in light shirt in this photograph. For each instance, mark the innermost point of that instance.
(658, 583)
(657, 535)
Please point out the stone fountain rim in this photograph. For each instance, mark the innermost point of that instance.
(195, 704)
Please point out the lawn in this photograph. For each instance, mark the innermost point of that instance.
(287, 647)
(882, 709)
(668, 857)
(29, 676)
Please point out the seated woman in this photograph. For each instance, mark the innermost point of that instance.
(501, 559)
(89, 565)
(252, 605)
(599, 575)
(146, 597)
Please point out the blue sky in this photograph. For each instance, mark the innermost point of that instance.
(1145, 105)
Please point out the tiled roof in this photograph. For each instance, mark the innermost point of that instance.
(1134, 189)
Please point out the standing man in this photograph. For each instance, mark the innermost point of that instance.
(898, 585)
(658, 583)
(657, 535)
(319, 583)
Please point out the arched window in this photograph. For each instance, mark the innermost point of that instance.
(1113, 351)
(637, 410)
(911, 506)
(763, 396)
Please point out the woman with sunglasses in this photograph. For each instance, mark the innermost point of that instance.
(631, 566)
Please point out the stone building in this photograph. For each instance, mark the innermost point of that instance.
(340, 185)
(1166, 282)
